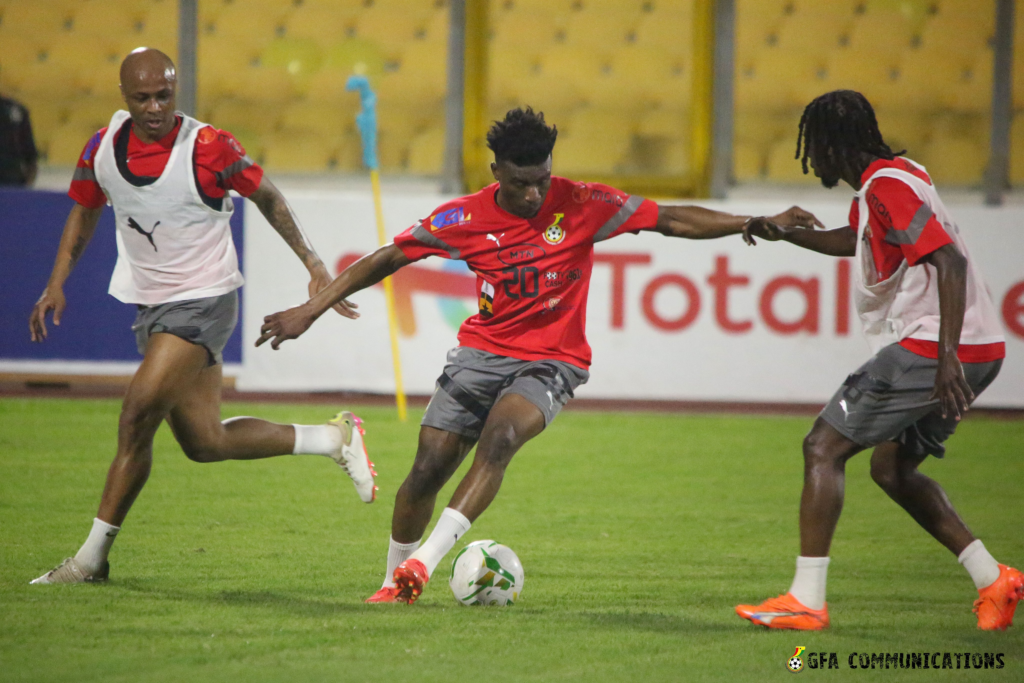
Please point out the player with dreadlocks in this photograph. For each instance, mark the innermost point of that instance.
(529, 238)
(937, 342)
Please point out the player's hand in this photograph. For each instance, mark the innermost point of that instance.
(795, 217)
(319, 279)
(290, 324)
(51, 300)
(762, 227)
(951, 388)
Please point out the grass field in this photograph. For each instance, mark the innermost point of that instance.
(638, 533)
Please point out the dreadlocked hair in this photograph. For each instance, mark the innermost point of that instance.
(522, 138)
(844, 122)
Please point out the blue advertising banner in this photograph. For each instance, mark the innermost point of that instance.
(95, 326)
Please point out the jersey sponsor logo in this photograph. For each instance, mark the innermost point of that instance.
(554, 278)
(554, 233)
(580, 193)
(447, 219)
(148, 235)
(552, 305)
(608, 197)
(879, 207)
(231, 142)
(520, 253)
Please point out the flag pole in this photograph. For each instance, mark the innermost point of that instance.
(366, 121)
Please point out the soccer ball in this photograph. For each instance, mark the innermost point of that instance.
(486, 573)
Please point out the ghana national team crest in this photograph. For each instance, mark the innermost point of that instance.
(554, 233)
(796, 663)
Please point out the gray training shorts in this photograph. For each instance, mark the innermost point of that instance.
(474, 380)
(888, 399)
(206, 322)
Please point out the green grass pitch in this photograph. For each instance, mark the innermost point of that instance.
(638, 533)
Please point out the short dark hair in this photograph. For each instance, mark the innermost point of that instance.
(843, 121)
(522, 138)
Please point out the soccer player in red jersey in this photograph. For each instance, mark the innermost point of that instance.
(530, 240)
(167, 177)
(938, 343)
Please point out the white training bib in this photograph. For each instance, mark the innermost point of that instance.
(906, 305)
(171, 246)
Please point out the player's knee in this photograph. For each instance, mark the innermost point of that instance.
(501, 444)
(138, 420)
(198, 452)
(885, 475)
(816, 450)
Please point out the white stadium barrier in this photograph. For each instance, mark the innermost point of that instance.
(667, 318)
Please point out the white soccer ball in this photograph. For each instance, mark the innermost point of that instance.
(486, 573)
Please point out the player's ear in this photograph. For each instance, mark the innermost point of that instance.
(494, 170)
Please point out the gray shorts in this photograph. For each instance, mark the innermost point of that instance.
(474, 380)
(888, 399)
(206, 322)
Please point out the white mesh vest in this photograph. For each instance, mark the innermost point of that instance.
(906, 305)
(170, 245)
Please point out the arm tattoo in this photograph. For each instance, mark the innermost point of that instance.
(277, 213)
(76, 250)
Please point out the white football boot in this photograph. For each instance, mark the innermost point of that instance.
(69, 571)
(351, 456)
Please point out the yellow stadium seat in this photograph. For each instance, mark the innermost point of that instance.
(880, 32)
(811, 34)
(300, 57)
(67, 143)
(650, 77)
(775, 81)
(596, 142)
(947, 34)
(232, 115)
(955, 160)
(103, 22)
(426, 152)
(393, 151)
(949, 80)
(245, 30)
(667, 123)
(299, 153)
(880, 80)
(748, 161)
(94, 112)
(391, 31)
(784, 168)
(670, 30)
(35, 19)
(599, 30)
(324, 24)
(904, 129)
(510, 28)
(303, 118)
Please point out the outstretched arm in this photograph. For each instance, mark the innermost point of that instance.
(364, 273)
(78, 230)
(951, 388)
(272, 204)
(838, 242)
(698, 223)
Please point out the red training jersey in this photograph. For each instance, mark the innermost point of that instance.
(220, 162)
(902, 227)
(533, 275)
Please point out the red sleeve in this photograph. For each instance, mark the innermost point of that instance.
(84, 188)
(908, 222)
(433, 236)
(612, 212)
(223, 164)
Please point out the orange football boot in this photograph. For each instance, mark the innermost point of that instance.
(385, 594)
(997, 602)
(785, 611)
(410, 578)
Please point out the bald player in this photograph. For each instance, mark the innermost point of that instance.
(167, 177)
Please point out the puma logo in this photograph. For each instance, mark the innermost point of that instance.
(138, 228)
(492, 237)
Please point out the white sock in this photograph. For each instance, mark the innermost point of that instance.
(397, 554)
(316, 439)
(982, 567)
(93, 553)
(449, 529)
(809, 583)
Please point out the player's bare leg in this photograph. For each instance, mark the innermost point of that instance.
(825, 454)
(196, 424)
(896, 472)
(168, 372)
(512, 422)
(438, 456)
